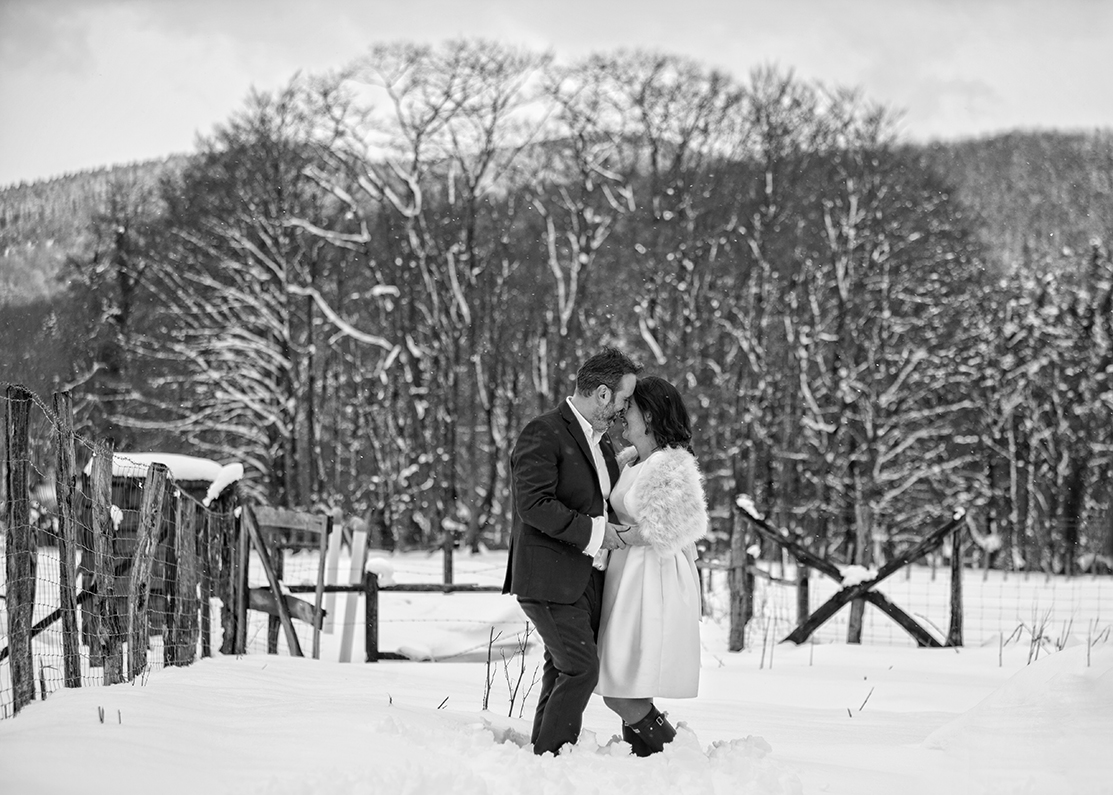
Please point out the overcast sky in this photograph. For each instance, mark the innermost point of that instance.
(89, 83)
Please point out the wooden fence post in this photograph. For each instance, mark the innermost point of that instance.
(332, 577)
(169, 560)
(741, 607)
(858, 606)
(704, 589)
(182, 627)
(449, 546)
(19, 549)
(243, 559)
(319, 594)
(224, 540)
(954, 635)
(278, 561)
(371, 615)
(358, 564)
(107, 616)
(139, 589)
(204, 532)
(65, 485)
(803, 606)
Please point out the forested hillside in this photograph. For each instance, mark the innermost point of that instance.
(1035, 194)
(364, 308)
(41, 223)
(1040, 195)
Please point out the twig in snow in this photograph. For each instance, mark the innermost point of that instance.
(513, 684)
(1038, 635)
(533, 682)
(489, 677)
(1016, 633)
(1065, 636)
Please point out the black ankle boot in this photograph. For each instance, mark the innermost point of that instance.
(654, 730)
(637, 744)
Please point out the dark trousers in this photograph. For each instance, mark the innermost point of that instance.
(571, 668)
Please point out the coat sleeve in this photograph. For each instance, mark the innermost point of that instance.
(668, 501)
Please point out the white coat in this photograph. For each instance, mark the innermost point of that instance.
(649, 630)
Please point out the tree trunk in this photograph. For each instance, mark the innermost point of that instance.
(1072, 513)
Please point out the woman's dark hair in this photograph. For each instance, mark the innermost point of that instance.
(664, 412)
(606, 367)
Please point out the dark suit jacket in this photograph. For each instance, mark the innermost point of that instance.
(556, 492)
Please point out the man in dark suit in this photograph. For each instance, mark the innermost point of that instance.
(562, 469)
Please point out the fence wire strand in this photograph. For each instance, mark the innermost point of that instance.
(999, 607)
(47, 643)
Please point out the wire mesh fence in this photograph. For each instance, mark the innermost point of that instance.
(112, 561)
(412, 622)
(998, 607)
(111, 589)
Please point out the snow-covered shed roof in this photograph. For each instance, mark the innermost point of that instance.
(182, 467)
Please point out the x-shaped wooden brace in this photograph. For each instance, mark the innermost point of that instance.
(859, 590)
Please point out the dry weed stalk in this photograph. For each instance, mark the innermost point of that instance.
(490, 676)
(513, 679)
(515, 686)
(1039, 630)
(1065, 636)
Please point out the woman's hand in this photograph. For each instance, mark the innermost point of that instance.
(632, 536)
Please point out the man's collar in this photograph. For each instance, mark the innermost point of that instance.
(588, 428)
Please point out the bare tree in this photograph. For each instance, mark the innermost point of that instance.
(243, 299)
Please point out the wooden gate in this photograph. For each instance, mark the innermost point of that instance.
(866, 588)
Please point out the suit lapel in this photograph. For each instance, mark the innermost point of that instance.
(577, 432)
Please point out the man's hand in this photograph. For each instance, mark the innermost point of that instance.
(612, 536)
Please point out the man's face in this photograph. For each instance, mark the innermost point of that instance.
(609, 411)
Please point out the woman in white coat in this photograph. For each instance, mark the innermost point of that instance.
(649, 631)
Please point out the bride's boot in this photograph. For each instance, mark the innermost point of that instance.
(654, 730)
(637, 744)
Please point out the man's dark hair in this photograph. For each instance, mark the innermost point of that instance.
(665, 414)
(604, 368)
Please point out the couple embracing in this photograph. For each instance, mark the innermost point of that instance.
(602, 553)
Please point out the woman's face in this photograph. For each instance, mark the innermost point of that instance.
(635, 430)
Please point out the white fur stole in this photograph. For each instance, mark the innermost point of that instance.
(668, 501)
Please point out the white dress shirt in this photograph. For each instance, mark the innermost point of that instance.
(598, 523)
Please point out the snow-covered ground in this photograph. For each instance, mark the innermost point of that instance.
(819, 718)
